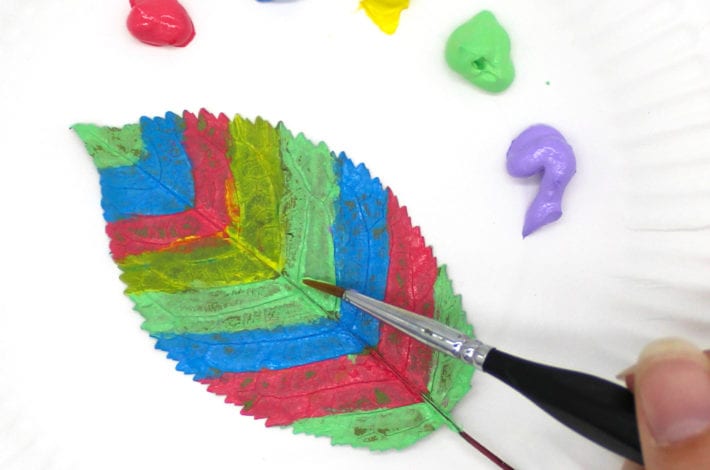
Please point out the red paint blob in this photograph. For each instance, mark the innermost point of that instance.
(160, 23)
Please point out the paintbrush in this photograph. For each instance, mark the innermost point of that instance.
(599, 410)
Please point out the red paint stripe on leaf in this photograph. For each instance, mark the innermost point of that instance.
(322, 388)
(410, 285)
(205, 140)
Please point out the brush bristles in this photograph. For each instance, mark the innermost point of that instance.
(325, 287)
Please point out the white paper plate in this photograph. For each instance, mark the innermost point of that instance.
(81, 386)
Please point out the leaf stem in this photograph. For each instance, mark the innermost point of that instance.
(484, 450)
(443, 413)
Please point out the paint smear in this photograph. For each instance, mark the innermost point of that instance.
(542, 149)
(160, 23)
(479, 50)
(385, 13)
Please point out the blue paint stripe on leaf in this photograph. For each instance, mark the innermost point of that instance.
(160, 183)
(249, 351)
(361, 243)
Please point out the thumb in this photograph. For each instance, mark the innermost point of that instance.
(672, 388)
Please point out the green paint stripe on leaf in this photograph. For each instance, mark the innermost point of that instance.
(308, 209)
(256, 165)
(378, 429)
(450, 378)
(111, 147)
(259, 305)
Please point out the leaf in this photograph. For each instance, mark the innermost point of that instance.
(214, 224)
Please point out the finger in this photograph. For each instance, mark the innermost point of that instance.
(629, 465)
(672, 388)
(628, 374)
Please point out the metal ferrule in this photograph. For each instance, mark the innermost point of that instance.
(426, 330)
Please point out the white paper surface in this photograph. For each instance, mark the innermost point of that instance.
(81, 386)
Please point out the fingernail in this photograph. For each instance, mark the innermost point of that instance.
(628, 371)
(673, 387)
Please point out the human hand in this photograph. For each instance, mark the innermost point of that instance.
(671, 384)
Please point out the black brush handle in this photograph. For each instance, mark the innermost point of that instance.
(599, 410)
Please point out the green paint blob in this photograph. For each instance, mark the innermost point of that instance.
(111, 147)
(381, 397)
(479, 50)
(246, 382)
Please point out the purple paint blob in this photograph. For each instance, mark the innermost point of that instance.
(542, 149)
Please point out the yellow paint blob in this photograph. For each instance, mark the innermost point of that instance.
(385, 13)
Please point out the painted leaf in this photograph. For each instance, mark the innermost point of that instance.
(214, 224)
